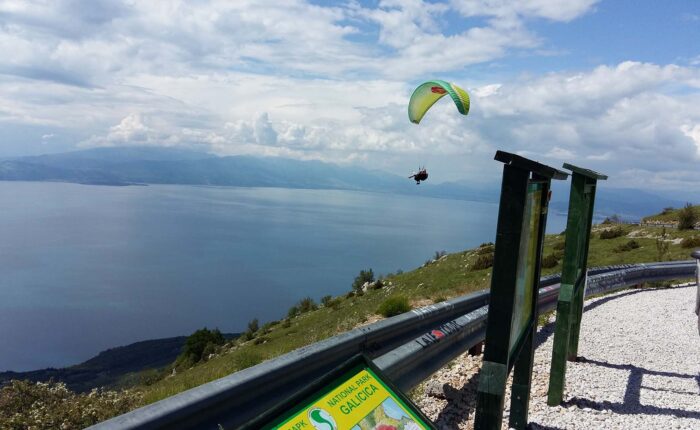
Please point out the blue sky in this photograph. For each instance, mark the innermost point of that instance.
(609, 85)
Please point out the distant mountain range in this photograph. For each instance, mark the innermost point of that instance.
(151, 165)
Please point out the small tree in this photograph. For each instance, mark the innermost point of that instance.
(662, 246)
(307, 304)
(253, 325)
(326, 301)
(197, 343)
(364, 276)
(439, 254)
(687, 217)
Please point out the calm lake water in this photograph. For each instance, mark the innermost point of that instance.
(85, 268)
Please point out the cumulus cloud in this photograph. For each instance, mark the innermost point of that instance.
(331, 82)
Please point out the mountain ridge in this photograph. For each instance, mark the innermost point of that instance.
(151, 165)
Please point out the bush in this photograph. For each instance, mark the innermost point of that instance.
(394, 306)
(378, 285)
(630, 245)
(483, 262)
(253, 327)
(559, 245)
(687, 217)
(549, 261)
(286, 323)
(690, 242)
(612, 233)
(293, 311)
(487, 249)
(29, 405)
(362, 278)
(197, 343)
(662, 246)
(306, 304)
(612, 219)
(330, 302)
(439, 254)
(667, 210)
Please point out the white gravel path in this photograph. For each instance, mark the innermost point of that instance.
(640, 370)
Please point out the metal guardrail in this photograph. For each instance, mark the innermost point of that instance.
(408, 348)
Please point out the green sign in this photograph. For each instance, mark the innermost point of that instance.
(357, 398)
(527, 259)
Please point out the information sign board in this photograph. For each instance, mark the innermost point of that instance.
(527, 259)
(357, 398)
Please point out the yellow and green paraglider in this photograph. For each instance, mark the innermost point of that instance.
(430, 92)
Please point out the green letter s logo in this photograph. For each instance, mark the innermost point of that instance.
(322, 420)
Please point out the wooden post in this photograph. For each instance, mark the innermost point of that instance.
(522, 373)
(512, 318)
(573, 278)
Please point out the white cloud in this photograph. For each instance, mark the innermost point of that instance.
(553, 10)
(332, 83)
(693, 132)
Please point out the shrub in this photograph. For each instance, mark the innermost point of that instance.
(630, 245)
(486, 244)
(326, 300)
(687, 217)
(197, 343)
(612, 233)
(483, 262)
(394, 306)
(612, 219)
(549, 261)
(662, 246)
(253, 327)
(29, 405)
(439, 254)
(364, 276)
(667, 210)
(487, 249)
(286, 323)
(293, 311)
(306, 304)
(378, 285)
(691, 242)
(559, 245)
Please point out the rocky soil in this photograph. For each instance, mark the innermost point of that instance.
(639, 368)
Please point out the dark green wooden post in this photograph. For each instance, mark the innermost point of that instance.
(522, 373)
(504, 348)
(573, 277)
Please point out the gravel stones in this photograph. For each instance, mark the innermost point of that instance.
(639, 368)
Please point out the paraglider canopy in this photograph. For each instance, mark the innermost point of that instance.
(430, 92)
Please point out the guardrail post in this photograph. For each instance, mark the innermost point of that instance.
(573, 278)
(512, 316)
(696, 255)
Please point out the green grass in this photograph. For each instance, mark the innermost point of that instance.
(668, 216)
(448, 277)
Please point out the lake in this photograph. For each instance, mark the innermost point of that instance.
(85, 268)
